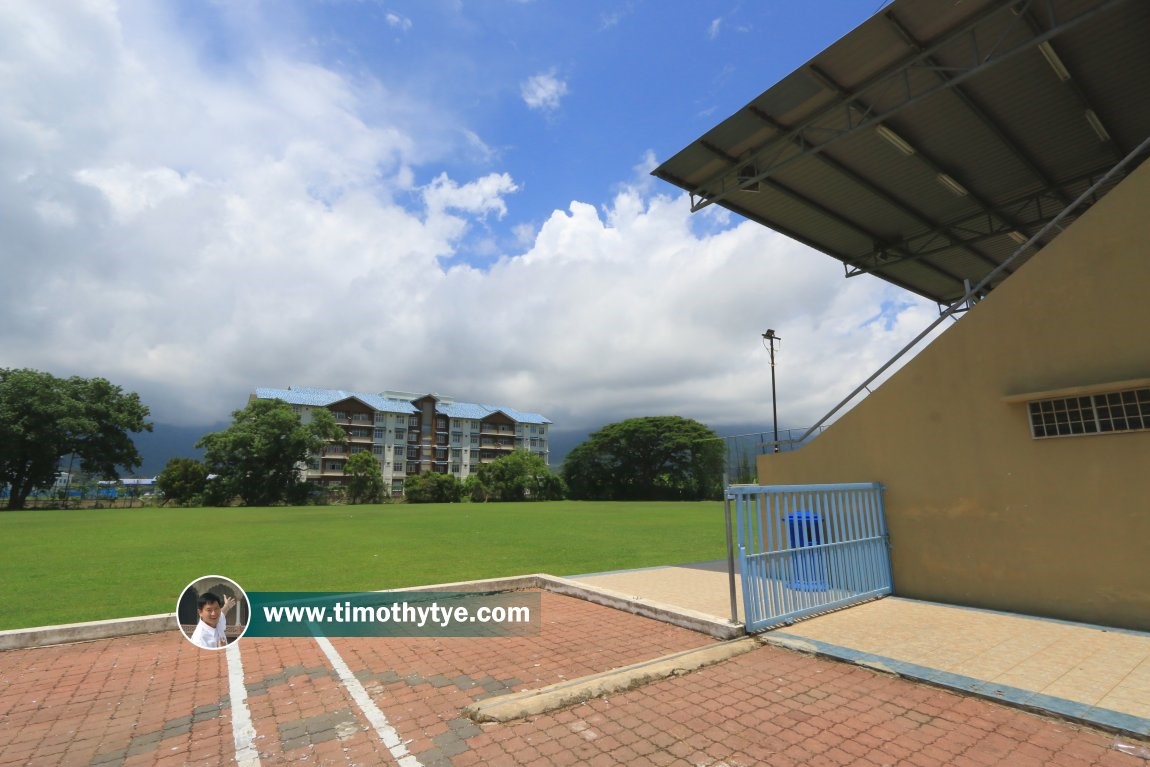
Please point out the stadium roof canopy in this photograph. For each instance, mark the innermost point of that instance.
(929, 144)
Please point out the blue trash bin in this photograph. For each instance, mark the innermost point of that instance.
(808, 568)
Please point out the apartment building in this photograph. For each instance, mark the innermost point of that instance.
(411, 433)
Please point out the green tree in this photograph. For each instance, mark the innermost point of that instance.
(432, 487)
(332, 494)
(258, 457)
(519, 476)
(364, 478)
(476, 490)
(44, 418)
(654, 458)
(182, 479)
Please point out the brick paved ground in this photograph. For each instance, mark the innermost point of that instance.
(776, 707)
(105, 702)
(157, 700)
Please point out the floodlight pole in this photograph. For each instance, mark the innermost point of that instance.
(769, 339)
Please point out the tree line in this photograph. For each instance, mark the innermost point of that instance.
(256, 459)
(44, 418)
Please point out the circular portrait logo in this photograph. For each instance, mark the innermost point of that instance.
(213, 612)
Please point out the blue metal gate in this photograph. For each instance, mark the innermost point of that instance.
(805, 549)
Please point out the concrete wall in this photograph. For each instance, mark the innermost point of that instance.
(980, 513)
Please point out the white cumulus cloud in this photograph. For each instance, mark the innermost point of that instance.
(484, 195)
(191, 234)
(543, 91)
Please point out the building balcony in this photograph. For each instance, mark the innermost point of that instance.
(497, 445)
(349, 420)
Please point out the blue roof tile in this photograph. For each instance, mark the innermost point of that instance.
(313, 397)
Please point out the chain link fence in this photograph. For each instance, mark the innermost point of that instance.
(743, 450)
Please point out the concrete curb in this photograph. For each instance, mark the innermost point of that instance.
(519, 705)
(682, 617)
(19, 639)
(42, 636)
(676, 616)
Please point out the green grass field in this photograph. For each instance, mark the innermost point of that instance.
(92, 564)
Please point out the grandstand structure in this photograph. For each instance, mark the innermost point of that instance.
(988, 155)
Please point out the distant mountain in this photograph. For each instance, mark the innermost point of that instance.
(561, 442)
(165, 442)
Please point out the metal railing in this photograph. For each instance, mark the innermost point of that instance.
(974, 292)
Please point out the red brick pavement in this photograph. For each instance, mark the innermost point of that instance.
(776, 707)
(157, 700)
(108, 701)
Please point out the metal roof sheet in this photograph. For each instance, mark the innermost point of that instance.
(463, 410)
(928, 144)
(314, 397)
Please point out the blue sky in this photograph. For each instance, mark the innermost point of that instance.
(205, 197)
(565, 98)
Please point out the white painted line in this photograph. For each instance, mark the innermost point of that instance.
(242, 728)
(373, 713)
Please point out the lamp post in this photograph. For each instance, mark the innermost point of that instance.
(769, 339)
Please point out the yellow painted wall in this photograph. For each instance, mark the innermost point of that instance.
(980, 513)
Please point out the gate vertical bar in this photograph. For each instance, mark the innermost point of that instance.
(730, 552)
(805, 549)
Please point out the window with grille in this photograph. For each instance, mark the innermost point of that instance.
(1093, 414)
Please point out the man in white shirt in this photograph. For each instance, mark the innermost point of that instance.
(210, 631)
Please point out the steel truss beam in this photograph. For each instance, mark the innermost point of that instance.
(1032, 211)
(976, 292)
(886, 196)
(865, 183)
(826, 128)
(1013, 145)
